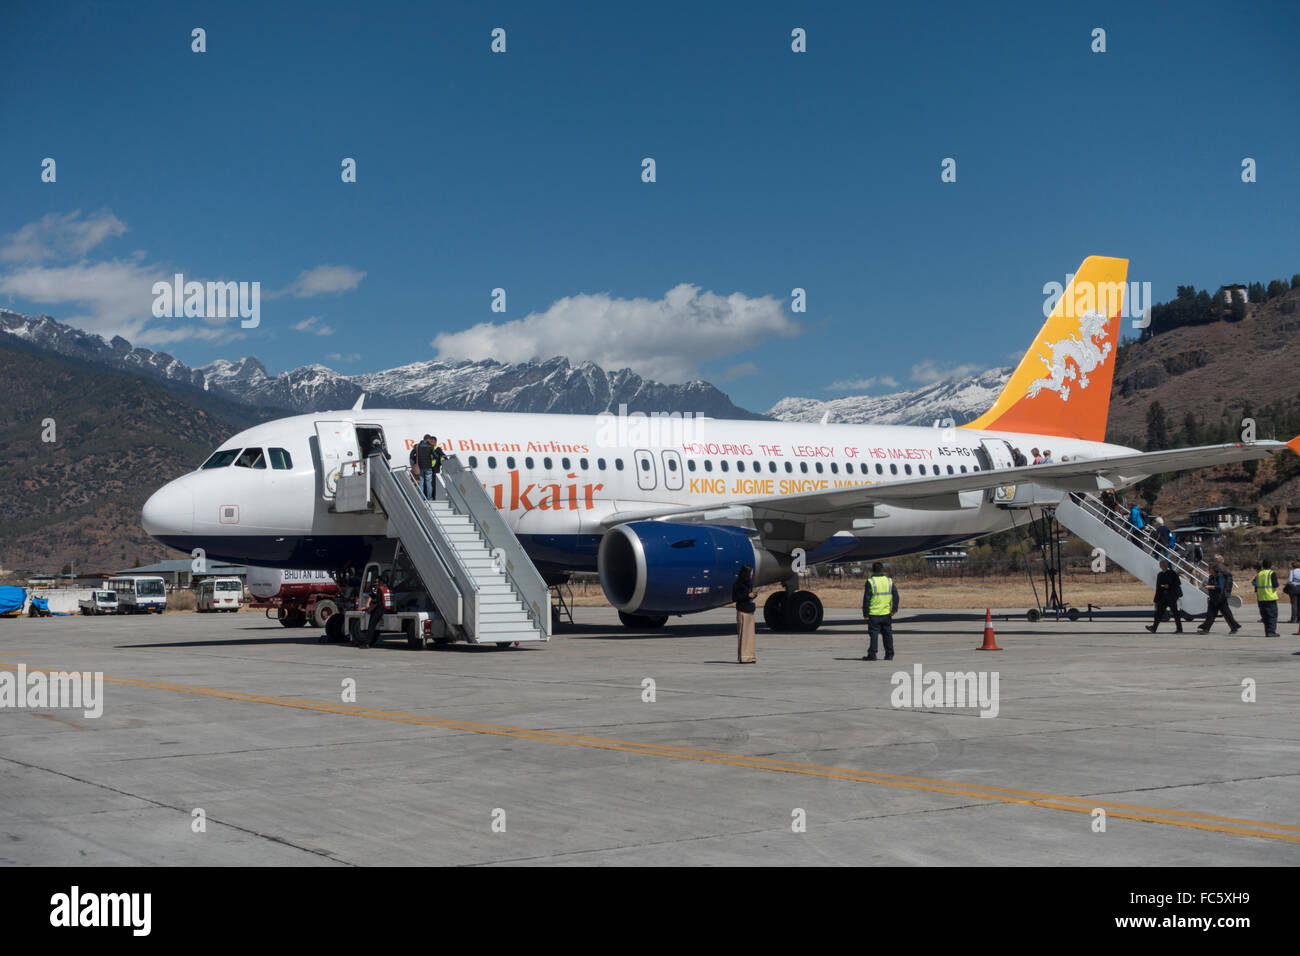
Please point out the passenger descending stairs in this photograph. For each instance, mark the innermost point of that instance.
(474, 568)
(1133, 550)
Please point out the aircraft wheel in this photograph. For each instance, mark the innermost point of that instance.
(414, 640)
(804, 611)
(774, 611)
(1072, 614)
(642, 621)
(1033, 615)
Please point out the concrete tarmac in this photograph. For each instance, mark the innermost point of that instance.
(555, 754)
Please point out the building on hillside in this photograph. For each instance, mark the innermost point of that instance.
(1221, 518)
(180, 573)
(1238, 292)
(941, 559)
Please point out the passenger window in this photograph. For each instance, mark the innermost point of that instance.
(600, 463)
(789, 467)
(672, 464)
(618, 464)
(757, 466)
(546, 463)
(771, 466)
(528, 462)
(893, 469)
(221, 459)
(723, 464)
(582, 463)
(818, 466)
(803, 466)
(848, 467)
(740, 466)
(922, 467)
(690, 464)
(880, 469)
(963, 469)
(564, 463)
(510, 461)
(950, 469)
(281, 460)
(491, 462)
(907, 468)
(645, 464)
(251, 458)
(473, 461)
(708, 464)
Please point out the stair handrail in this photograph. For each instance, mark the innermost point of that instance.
(1193, 573)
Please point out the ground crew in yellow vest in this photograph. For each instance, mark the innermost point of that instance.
(1266, 594)
(879, 605)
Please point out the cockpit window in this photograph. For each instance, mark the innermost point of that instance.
(221, 459)
(280, 459)
(251, 458)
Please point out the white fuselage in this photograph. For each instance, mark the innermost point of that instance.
(556, 478)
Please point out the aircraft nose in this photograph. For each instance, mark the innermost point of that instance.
(169, 510)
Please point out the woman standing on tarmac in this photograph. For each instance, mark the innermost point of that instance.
(743, 594)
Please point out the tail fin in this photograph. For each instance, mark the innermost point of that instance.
(1062, 385)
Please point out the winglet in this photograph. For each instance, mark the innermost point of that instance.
(1294, 444)
(360, 401)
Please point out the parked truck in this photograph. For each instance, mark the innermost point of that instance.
(99, 602)
(294, 597)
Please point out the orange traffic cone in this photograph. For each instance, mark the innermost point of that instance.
(990, 643)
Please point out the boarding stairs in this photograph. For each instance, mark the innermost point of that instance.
(1135, 551)
(473, 567)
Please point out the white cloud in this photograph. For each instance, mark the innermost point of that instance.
(739, 371)
(860, 384)
(929, 371)
(310, 325)
(55, 236)
(323, 280)
(666, 339)
(115, 297)
(350, 357)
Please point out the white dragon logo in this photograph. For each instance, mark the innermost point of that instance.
(1084, 352)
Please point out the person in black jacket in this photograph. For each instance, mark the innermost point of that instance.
(1219, 587)
(426, 462)
(1169, 588)
(743, 594)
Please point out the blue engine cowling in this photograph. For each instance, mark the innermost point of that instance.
(655, 567)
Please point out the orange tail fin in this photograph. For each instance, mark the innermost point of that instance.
(1062, 385)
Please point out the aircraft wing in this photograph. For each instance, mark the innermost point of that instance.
(944, 492)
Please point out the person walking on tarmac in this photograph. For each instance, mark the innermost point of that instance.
(1169, 588)
(427, 459)
(743, 594)
(1219, 587)
(879, 605)
(1266, 595)
(380, 602)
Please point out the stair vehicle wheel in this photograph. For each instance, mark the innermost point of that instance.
(804, 611)
(334, 629)
(503, 643)
(321, 614)
(1072, 614)
(774, 611)
(414, 640)
(1033, 615)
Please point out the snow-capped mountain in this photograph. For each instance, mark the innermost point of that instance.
(552, 385)
(961, 399)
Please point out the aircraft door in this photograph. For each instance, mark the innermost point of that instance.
(999, 454)
(646, 476)
(337, 442)
(672, 470)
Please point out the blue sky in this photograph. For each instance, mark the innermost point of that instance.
(522, 171)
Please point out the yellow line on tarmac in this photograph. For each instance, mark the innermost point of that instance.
(1123, 811)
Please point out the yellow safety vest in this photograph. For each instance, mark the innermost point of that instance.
(881, 597)
(1263, 591)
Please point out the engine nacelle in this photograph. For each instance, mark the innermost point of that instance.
(656, 567)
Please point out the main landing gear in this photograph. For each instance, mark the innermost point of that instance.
(793, 611)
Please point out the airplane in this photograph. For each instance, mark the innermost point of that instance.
(668, 508)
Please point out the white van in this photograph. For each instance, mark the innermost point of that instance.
(139, 594)
(220, 594)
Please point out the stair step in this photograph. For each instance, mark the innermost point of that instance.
(488, 637)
